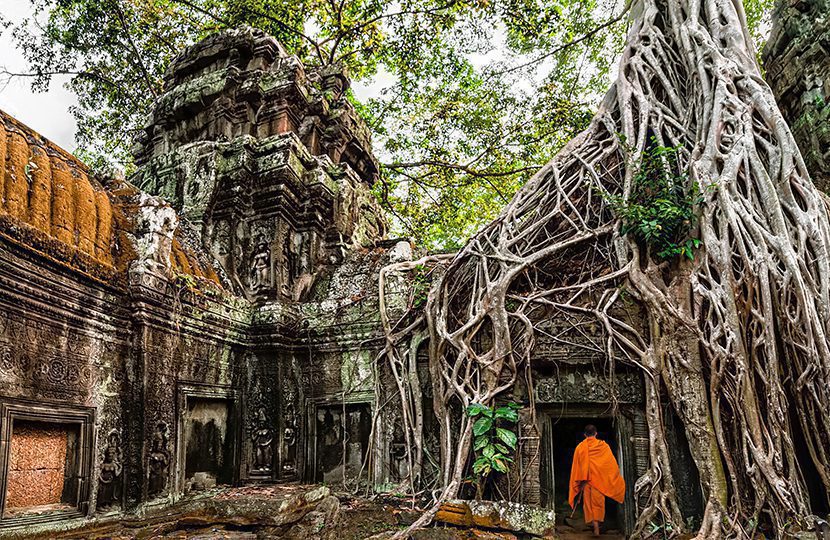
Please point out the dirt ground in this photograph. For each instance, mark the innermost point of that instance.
(292, 512)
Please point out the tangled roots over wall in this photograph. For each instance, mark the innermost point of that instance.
(735, 337)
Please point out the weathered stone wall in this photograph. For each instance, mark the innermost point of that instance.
(797, 63)
(245, 279)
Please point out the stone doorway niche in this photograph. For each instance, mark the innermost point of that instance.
(207, 437)
(45, 459)
(562, 432)
(339, 441)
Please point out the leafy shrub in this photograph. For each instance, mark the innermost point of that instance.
(661, 210)
(494, 440)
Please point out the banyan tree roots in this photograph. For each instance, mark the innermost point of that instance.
(735, 340)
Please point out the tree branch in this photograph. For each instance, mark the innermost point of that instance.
(150, 86)
(584, 37)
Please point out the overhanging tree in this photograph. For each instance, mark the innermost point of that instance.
(734, 332)
(457, 137)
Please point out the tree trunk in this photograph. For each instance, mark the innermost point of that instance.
(729, 335)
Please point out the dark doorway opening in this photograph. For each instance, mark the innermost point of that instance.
(812, 479)
(208, 455)
(567, 433)
(342, 440)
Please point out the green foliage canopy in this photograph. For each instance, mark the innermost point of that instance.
(477, 94)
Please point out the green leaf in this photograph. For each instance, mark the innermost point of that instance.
(507, 413)
(499, 465)
(482, 426)
(482, 466)
(489, 451)
(475, 409)
(480, 443)
(515, 406)
(507, 437)
(501, 448)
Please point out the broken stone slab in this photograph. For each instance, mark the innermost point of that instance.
(504, 515)
(295, 508)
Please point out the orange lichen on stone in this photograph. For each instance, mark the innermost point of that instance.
(86, 214)
(46, 188)
(63, 211)
(103, 239)
(211, 274)
(16, 182)
(40, 201)
(184, 262)
(179, 259)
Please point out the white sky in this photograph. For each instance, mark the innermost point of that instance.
(46, 112)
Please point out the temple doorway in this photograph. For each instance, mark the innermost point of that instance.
(564, 434)
(207, 444)
(341, 441)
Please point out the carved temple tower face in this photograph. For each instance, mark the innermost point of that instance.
(269, 161)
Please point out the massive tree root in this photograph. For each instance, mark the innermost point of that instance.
(737, 338)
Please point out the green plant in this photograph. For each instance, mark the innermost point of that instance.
(661, 210)
(494, 440)
(660, 530)
(420, 286)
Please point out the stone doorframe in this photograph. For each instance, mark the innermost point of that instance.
(55, 413)
(187, 391)
(625, 424)
(311, 404)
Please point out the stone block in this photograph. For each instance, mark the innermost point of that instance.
(34, 487)
(504, 515)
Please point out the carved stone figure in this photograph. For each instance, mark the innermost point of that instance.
(263, 444)
(157, 222)
(159, 459)
(261, 266)
(290, 433)
(109, 487)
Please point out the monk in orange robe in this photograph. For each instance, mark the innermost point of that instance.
(596, 475)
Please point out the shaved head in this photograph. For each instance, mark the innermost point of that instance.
(590, 430)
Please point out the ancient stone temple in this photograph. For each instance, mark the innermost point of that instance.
(797, 61)
(214, 319)
(210, 322)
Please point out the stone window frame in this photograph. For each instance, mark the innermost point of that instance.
(54, 413)
(311, 405)
(185, 391)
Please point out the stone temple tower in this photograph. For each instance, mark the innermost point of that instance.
(268, 161)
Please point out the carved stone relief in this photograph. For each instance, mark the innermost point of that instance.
(109, 479)
(263, 445)
(159, 459)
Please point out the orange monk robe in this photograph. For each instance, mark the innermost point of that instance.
(594, 462)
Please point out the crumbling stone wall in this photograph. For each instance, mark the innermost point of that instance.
(797, 63)
(48, 200)
(243, 274)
